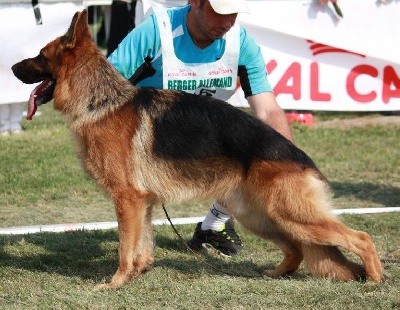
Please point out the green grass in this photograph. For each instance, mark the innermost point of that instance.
(41, 182)
(60, 270)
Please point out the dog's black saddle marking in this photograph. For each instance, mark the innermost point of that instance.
(196, 127)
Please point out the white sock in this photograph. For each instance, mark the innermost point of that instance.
(215, 218)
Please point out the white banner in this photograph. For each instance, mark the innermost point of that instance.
(316, 60)
(21, 37)
(307, 75)
(319, 61)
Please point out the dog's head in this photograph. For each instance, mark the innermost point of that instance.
(47, 67)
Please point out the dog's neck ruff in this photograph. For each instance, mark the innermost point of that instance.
(93, 101)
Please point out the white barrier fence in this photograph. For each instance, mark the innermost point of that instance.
(176, 221)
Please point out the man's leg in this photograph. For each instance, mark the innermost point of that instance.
(4, 119)
(216, 231)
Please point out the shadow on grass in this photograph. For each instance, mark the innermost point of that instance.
(86, 254)
(384, 194)
(193, 264)
(190, 262)
(92, 255)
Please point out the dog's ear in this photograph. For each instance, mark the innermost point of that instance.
(78, 30)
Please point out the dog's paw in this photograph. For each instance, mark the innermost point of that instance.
(117, 281)
(277, 273)
(271, 273)
(376, 278)
(107, 286)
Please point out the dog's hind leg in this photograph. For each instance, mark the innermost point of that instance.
(292, 252)
(323, 257)
(253, 218)
(304, 213)
(131, 214)
(329, 262)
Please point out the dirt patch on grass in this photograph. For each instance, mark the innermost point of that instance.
(364, 121)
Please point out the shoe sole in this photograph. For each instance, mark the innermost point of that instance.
(211, 250)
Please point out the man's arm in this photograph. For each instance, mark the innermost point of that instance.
(136, 49)
(265, 108)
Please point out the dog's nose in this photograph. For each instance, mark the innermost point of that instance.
(14, 68)
(18, 73)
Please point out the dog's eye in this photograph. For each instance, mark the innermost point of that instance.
(40, 58)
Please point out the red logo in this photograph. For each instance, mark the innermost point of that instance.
(319, 48)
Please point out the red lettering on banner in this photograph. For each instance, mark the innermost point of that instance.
(271, 66)
(390, 78)
(291, 81)
(315, 94)
(292, 73)
(351, 79)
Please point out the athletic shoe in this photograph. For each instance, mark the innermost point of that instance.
(226, 241)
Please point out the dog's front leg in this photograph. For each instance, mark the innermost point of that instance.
(131, 213)
(144, 259)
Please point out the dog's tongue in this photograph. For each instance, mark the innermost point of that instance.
(32, 105)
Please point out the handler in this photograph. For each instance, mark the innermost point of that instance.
(199, 49)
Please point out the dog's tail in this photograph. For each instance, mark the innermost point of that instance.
(329, 262)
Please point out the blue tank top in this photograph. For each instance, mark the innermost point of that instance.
(144, 42)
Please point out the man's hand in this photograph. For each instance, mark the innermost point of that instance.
(335, 5)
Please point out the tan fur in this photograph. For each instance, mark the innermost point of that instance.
(276, 200)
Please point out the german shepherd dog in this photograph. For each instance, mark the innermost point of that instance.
(147, 147)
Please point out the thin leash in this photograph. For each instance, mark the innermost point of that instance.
(202, 258)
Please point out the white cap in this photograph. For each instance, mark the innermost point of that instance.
(229, 6)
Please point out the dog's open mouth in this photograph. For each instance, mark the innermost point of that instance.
(42, 94)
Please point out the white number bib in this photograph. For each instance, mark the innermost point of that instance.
(217, 79)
